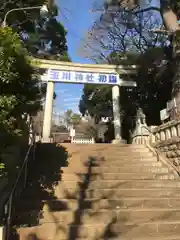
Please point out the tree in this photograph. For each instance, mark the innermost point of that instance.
(96, 101)
(89, 128)
(43, 36)
(170, 12)
(20, 94)
(123, 33)
(72, 118)
(68, 115)
(130, 42)
(153, 79)
(76, 119)
(169, 9)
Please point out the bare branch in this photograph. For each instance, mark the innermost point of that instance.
(121, 31)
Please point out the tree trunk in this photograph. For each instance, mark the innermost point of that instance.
(170, 20)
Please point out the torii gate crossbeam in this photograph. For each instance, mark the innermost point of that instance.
(98, 73)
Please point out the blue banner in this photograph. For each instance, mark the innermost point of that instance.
(82, 77)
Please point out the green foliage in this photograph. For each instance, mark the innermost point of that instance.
(19, 90)
(1, 165)
(43, 36)
(68, 115)
(72, 118)
(76, 119)
(96, 101)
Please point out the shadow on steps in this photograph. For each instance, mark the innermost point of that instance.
(73, 231)
(44, 173)
(43, 176)
(74, 228)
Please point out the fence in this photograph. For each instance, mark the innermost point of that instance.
(83, 141)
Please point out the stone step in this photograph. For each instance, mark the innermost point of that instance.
(108, 149)
(128, 231)
(130, 160)
(122, 169)
(101, 184)
(128, 163)
(107, 165)
(119, 176)
(128, 184)
(105, 147)
(87, 216)
(138, 203)
(111, 193)
(117, 150)
(119, 192)
(113, 156)
(125, 155)
(105, 216)
(101, 145)
(98, 204)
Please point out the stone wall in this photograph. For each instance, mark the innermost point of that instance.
(171, 149)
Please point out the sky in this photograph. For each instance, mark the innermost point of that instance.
(76, 17)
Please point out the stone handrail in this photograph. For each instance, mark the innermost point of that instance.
(156, 134)
(142, 135)
(166, 140)
(165, 131)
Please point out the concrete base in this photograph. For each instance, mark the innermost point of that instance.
(2, 233)
(119, 141)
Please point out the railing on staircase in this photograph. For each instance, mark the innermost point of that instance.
(166, 131)
(163, 132)
(19, 185)
(150, 138)
(164, 141)
(143, 137)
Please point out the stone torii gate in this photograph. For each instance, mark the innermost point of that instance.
(67, 72)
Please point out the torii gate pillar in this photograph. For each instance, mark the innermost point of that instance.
(48, 110)
(116, 114)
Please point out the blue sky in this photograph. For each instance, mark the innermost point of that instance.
(76, 17)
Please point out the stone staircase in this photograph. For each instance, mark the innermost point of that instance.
(106, 192)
